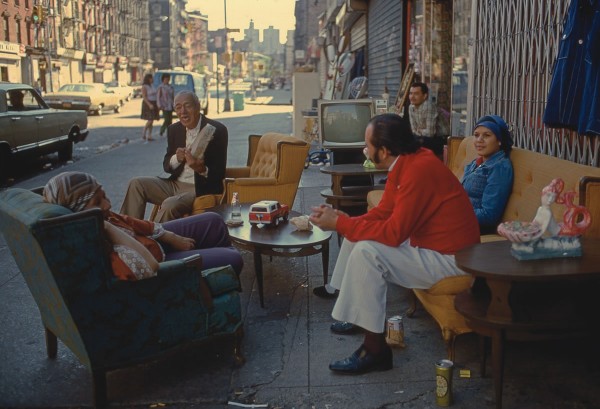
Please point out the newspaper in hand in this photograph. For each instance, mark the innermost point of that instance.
(198, 146)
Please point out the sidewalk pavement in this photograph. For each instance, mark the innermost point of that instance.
(287, 344)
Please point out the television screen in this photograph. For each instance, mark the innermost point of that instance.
(342, 122)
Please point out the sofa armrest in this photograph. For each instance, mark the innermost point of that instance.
(238, 172)
(373, 198)
(253, 181)
(451, 285)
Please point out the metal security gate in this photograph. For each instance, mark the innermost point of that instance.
(514, 46)
(385, 48)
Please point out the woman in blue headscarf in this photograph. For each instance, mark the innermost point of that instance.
(488, 179)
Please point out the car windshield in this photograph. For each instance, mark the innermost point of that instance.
(76, 88)
(259, 209)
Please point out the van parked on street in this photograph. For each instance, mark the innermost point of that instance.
(187, 80)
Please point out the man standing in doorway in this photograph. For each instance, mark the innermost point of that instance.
(164, 99)
(428, 124)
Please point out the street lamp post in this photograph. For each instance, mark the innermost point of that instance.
(227, 104)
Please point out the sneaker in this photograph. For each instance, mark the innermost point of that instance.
(322, 292)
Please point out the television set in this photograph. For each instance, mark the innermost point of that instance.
(342, 122)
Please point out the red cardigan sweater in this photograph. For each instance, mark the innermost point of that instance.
(423, 201)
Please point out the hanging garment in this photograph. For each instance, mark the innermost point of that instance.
(574, 89)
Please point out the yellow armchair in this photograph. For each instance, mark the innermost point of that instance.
(275, 165)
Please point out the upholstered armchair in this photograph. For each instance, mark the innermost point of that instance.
(110, 324)
(275, 165)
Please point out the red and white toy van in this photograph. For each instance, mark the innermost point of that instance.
(269, 212)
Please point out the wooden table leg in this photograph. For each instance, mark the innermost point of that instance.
(325, 258)
(498, 364)
(258, 270)
(499, 308)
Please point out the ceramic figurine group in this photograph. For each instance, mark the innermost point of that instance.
(544, 237)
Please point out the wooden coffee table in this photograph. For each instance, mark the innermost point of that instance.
(516, 305)
(282, 241)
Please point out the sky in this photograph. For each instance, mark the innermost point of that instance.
(265, 13)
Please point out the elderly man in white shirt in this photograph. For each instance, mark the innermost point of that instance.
(196, 158)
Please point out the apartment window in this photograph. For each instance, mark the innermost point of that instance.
(28, 26)
(26, 4)
(17, 3)
(5, 27)
(18, 31)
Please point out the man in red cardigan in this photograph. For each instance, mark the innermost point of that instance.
(409, 239)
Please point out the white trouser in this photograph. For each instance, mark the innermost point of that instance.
(364, 268)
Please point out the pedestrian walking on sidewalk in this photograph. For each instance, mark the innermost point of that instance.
(149, 107)
(164, 99)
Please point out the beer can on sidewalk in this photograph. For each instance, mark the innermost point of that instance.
(395, 332)
(443, 380)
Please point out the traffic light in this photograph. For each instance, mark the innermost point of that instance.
(36, 15)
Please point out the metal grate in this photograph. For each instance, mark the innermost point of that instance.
(514, 45)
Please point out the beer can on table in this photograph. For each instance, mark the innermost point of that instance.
(443, 380)
(395, 332)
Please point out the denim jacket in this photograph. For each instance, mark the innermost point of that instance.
(488, 187)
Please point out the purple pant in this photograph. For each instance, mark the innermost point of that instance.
(212, 241)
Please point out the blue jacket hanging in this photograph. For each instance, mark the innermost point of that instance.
(574, 95)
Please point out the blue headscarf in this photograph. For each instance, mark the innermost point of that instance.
(499, 127)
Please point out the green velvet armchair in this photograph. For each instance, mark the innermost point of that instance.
(110, 324)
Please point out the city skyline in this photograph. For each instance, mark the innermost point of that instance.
(264, 13)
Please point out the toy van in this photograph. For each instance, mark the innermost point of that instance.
(268, 212)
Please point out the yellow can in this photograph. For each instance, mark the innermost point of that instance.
(443, 381)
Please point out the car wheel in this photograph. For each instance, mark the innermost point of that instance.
(66, 152)
(117, 109)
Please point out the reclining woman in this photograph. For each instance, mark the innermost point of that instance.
(488, 179)
(139, 245)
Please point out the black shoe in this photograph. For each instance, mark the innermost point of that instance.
(322, 292)
(362, 361)
(344, 328)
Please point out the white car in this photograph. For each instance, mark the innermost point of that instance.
(93, 98)
(123, 90)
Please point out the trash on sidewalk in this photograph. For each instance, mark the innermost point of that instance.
(248, 405)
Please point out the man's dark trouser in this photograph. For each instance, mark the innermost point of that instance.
(168, 116)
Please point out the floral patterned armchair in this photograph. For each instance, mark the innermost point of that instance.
(110, 324)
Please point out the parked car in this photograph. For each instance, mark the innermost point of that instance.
(124, 91)
(187, 80)
(29, 128)
(94, 98)
(269, 212)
